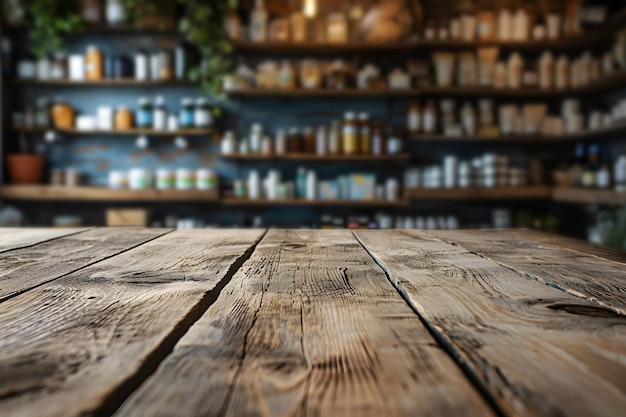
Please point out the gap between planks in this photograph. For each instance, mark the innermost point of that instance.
(117, 397)
(442, 339)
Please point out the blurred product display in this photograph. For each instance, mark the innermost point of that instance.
(318, 113)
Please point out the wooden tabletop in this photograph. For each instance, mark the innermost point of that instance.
(159, 322)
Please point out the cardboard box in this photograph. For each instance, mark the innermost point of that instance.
(128, 217)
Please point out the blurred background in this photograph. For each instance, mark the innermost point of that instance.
(316, 113)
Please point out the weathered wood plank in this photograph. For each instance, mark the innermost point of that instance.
(24, 269)
(578, 273)
(605, 252)
(79, 345)
(309, 326)
(539, 351)
(19, 237)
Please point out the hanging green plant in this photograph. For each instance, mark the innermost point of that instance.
(202, 25)
(49, 22)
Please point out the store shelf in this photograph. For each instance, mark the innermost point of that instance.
(321, 92)
(616, 131)
(103, 194)
(314, 203)
(570, 43)
(498, 193)
(319, 158)
(588, 196)
(126, 132)
(312, 48)
(108, 82)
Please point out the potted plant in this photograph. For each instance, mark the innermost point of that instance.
(25, 167)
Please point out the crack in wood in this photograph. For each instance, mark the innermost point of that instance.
(442, 339)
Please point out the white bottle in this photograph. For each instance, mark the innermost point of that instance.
(228, 144)
(159, 115)
(515, 68)
(258, 23)
(392, 189)
(142, 66)
(256, 136)
(311, 185)
(546, 70)
(202, 115)
(561, 75)
(280, 147)
(619, 174)
(321, 141)
(115, 12)
(521, 25)
(450, 170)
(254, 185)
(505, 24)
(272, 181)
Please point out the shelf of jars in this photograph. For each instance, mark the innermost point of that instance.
(588, 196)
(118, 132)
(477, 193)
(104, 194)
(402, 157)
(312, 203)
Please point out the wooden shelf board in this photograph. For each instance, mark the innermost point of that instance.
(476, 193)
(314, 203)
(129, 82)
(319, 158)
(89, 193)
(569, 43)
(588, 196)
(322, 92)
(129, 132)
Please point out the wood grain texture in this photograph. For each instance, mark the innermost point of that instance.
(78, 346)
(578, 245)
(577, 273)
(19, 237)
(309, 326)
(23, 269)
(538, 351)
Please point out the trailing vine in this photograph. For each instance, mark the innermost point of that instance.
(49, 22)
(202, 25)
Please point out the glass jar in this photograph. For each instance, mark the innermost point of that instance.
(42, 113)
(185, 179)
(139, 179)
(123, 118)
(203, 117)
(94, 64)
(350, 137)
(206, 179)
(165, 179)
(58, 69)
(365, 134)
(62, 115)
(115, 12)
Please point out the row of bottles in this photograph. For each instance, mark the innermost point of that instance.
(307, 185)
(588, 168)
(94, 65)
(358, 135)
(193, 113)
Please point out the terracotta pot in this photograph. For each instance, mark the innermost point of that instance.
(25, 169)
